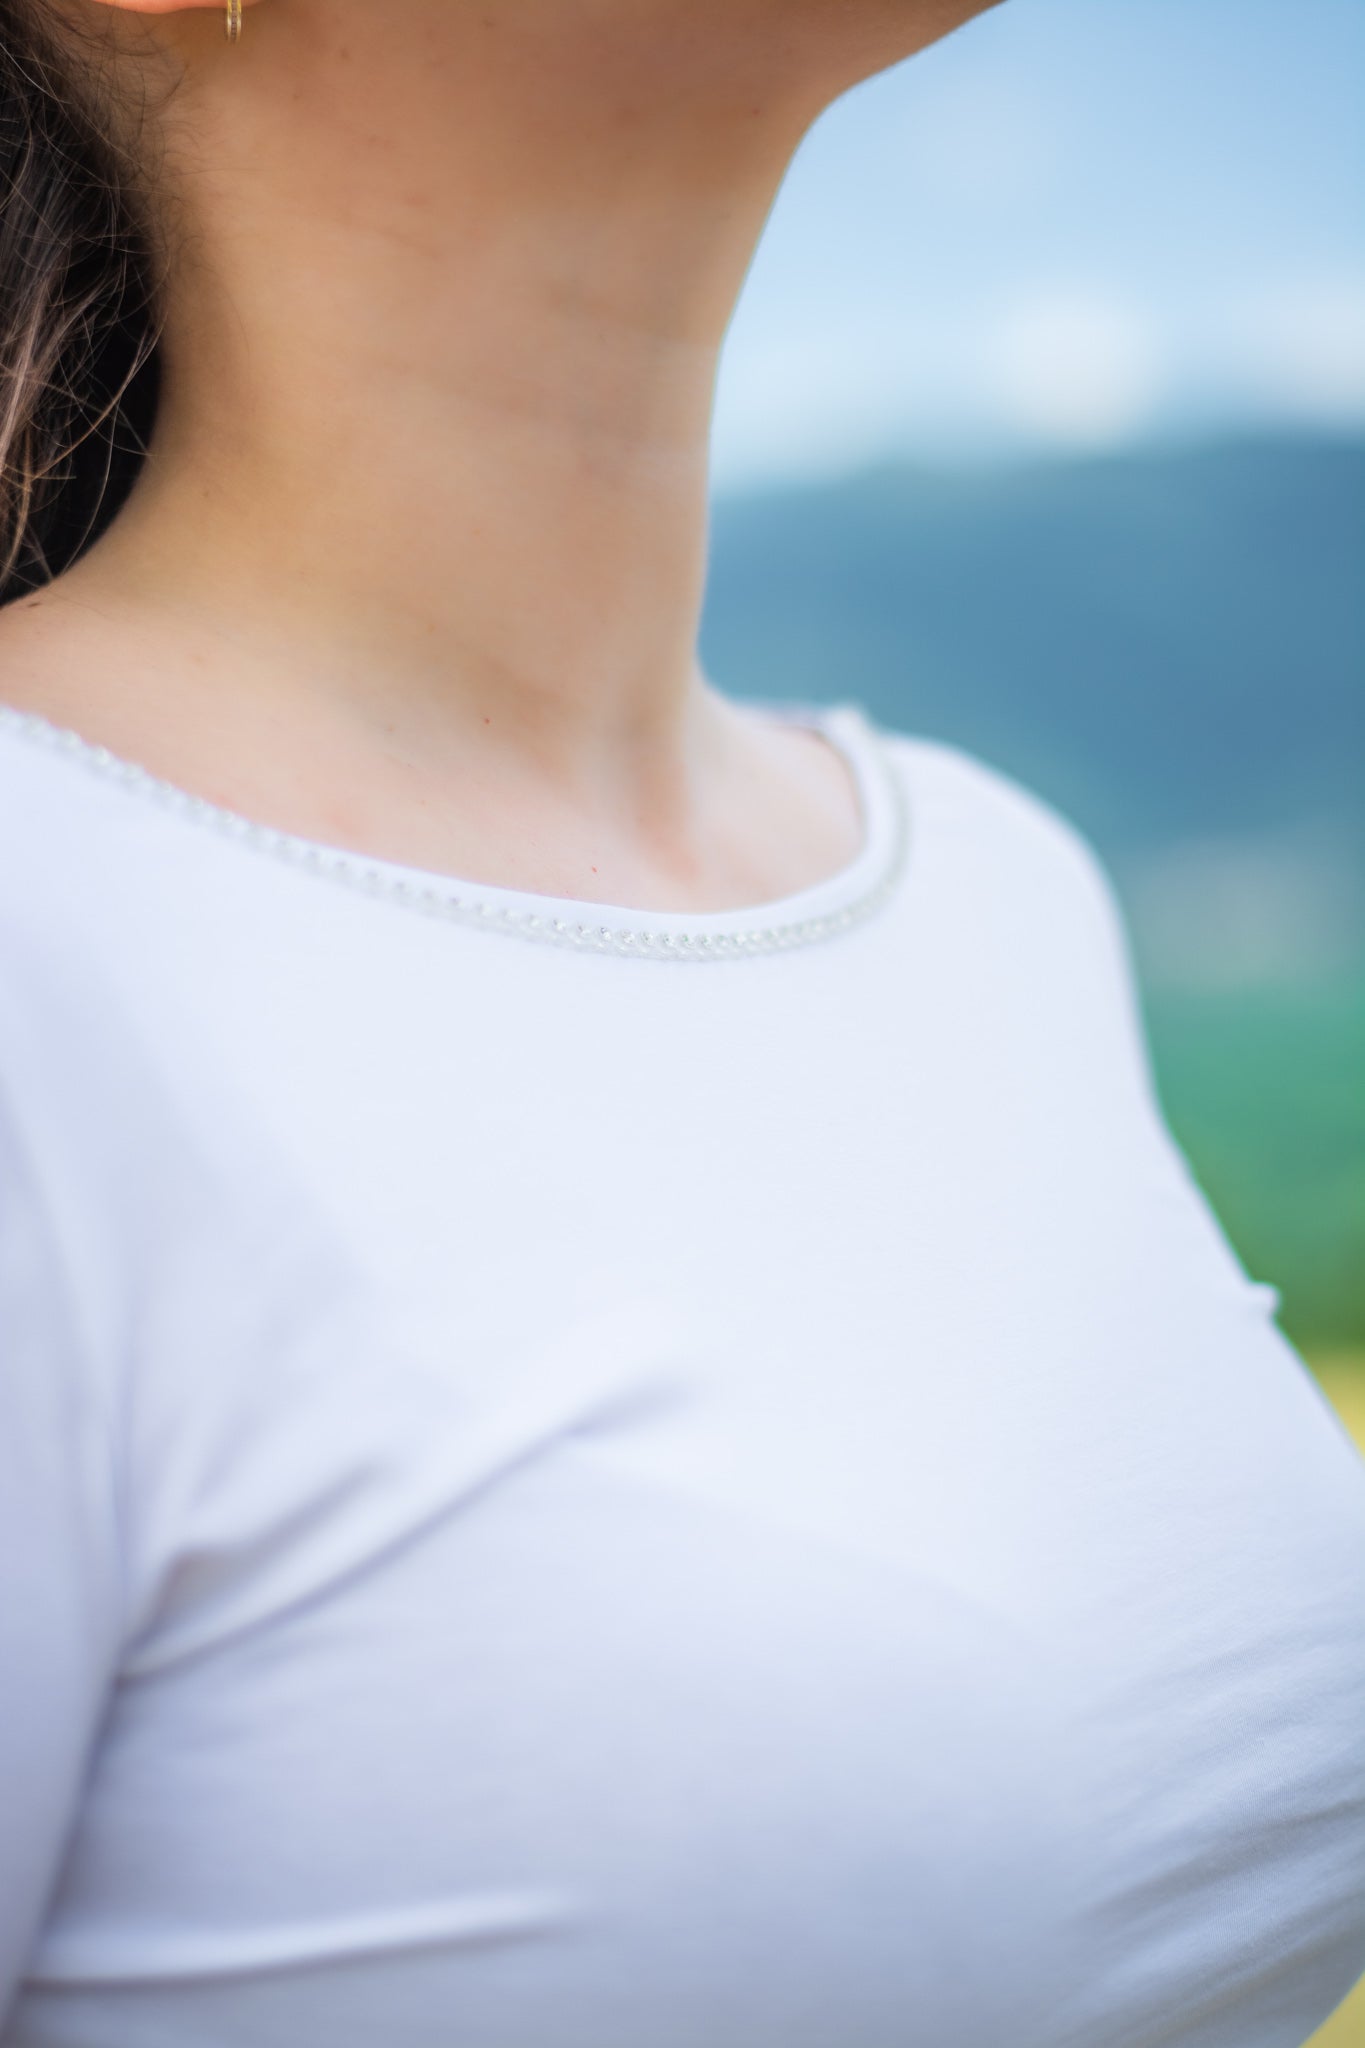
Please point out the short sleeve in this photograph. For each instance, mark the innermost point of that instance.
(58, 1553)
(1073, 920)
(1170, 1172)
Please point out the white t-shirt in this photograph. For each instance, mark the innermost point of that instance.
(559, 1490)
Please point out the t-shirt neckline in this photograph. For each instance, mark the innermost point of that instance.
(819, 910)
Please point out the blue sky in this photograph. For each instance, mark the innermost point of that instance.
(1073, 224)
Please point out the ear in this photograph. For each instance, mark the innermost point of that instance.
(168, 6)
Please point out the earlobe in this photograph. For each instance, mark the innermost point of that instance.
(231, 7)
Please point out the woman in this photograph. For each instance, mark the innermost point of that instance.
(621, 1426)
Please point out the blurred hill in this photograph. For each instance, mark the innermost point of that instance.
(1168, 644)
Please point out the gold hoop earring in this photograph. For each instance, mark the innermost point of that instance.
(232, 26)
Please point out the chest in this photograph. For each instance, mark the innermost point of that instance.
(696, 1524)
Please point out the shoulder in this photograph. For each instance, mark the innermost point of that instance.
(66, 899)
(988, 826)
(47, 805)
(1018, 909)
(967, 786)
(70, 695)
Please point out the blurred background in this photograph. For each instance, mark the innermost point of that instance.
(1041, 429)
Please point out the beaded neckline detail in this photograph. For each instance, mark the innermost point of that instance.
(821, 911)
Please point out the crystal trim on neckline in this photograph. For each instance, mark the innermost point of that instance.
(488, 907)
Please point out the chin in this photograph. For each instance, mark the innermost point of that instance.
(848, 40)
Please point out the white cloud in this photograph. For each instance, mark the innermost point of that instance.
(1310, 341)
(951, 383)
(1064, 368)
(1073, 369)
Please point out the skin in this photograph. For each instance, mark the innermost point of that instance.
(417, 562)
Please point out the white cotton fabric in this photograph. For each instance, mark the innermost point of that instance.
(558, 1500)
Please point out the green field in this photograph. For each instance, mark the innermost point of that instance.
(1265, 1091)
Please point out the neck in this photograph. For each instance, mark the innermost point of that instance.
(439, 365)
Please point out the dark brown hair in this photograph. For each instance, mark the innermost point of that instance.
(78, 299)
